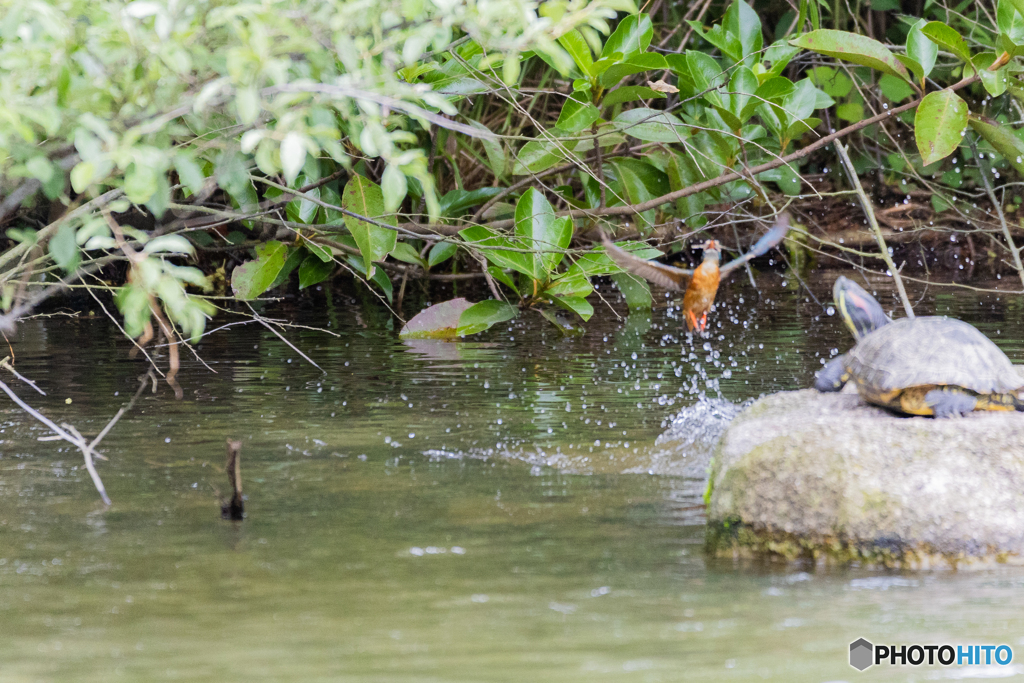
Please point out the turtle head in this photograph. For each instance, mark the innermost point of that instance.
(712, 250)
(860, 311)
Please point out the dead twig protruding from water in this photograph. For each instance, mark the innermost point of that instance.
(869, 211)
(235, 508)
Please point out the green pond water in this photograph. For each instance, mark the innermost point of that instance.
(518, 507)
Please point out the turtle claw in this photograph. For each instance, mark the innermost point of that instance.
(949, 403)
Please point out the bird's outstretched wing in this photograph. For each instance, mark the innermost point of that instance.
(658, 273)
(770, 239)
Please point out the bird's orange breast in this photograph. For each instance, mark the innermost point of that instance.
(700, 295)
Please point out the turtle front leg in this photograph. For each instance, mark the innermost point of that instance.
(833, 376)
(947, 403)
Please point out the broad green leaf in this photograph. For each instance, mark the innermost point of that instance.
(636, 64)
(742, 21)
(834, 82)
(574, 282)
(537, 228)
(948, 38)
(293, 156)
(503, 258)
(483, 315)
(630, 93)
(293, 261)
(321, 252)
(682, 173)
(772, 91)
(995, 82)
(252, 278)
(1003, 140)
(742, 86)
(189, 172)
(921, 48)
(313, 271)
(439, 321)
(139, 183)
(441, 252)
(502, 277)
(729, 43)
(543, 153)
(577, 115)
(496, 157)
(577, 305)
(634, 289)
(457, 202)
(779, 55)
(64, 249)
(895, 89)
(633, 35)
(707, 76)
(362, 196)
(651, 125)
(394, 188)
(939, 125)
(853, 48)
(169, 244)
(635, 192)
(574, 43)
(1010, 22)
(405, 253)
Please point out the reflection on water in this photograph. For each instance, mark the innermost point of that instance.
(524, 506)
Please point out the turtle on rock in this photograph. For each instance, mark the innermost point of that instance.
(920, 366)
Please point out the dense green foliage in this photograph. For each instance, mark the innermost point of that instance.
(391, 139)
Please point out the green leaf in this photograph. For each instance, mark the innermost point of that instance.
(682, 173)
(313, 271)
(939, 125)
(922, 49)
(457, 202)
(321, 252)
(293, 156)
(635, 289)
(439, 321)
(742, 21)
(441, 252)
(1003, 140)
(64, 249)
(630, 93)
(252, 278)
(394, 188)
(895, 89)
(482, 236)
(293, 261)
(853, 48)
(742, 86)
(946, 37)
(772, 91)
(543, 153)
(362, 196)
(538, 229)
(577, 305)
(406, 253)
(576, 45)
(707, 76)
(636, 64)
(995, 82)
(82, 175)
(502, 277)
(651, 125)
(577, 115)
(1010, 21)
(483, 315)
(189, 172)
(633, 35)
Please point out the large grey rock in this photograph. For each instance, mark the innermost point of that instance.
(825, 476)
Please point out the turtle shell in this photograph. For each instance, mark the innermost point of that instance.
(923, 351)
